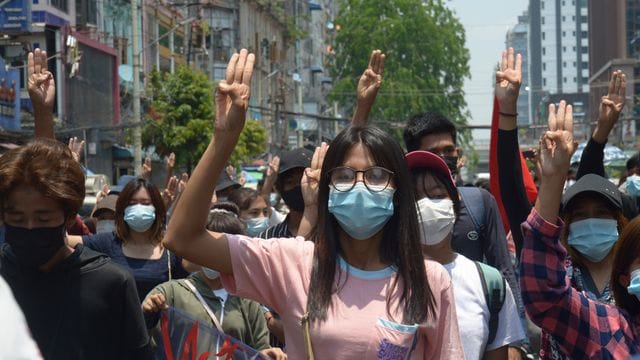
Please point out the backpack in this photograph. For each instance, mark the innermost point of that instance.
(472, 197)
(494, 288)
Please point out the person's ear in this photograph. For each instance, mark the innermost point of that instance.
(458, 152)
(624, 280)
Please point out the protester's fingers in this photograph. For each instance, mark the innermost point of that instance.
(324, 147)
(381, 64)
(560, 115)
(519, 63)
(510, 59)
(612, 83)
(44, 67)
(315, 158)
(552, 117)
(622, 91)
(37, 66)
(503, 62)
(372, 60)
(568, 119)
(231, 68)
(30, 64)
(242, 60)
(248, 69)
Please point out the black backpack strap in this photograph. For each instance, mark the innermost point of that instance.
(472, 197)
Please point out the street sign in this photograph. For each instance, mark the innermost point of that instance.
(9, 97)
(15, 16)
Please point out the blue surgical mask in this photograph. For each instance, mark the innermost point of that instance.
(360, 212)
(210, 273)
(633, 185)
(140, 217)
(257, 225)
(594, 237)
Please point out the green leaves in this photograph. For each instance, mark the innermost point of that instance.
(182, 119)
(426, 59)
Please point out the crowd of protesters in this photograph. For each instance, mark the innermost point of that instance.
(357, 250)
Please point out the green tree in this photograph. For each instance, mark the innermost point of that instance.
(426, 59)
(181, 119)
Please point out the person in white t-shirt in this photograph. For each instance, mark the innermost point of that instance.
(15, 339)
(438, 207)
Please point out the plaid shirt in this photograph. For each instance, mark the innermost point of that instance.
(584, 328)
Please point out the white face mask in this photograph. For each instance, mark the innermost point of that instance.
(436, 217)
(105, 226)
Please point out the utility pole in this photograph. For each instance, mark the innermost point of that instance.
(137, 131)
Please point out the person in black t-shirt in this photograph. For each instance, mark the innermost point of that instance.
(77, 303)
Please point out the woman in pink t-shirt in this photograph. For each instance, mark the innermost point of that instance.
(361, 284)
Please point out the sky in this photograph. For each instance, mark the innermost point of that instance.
(486, 23)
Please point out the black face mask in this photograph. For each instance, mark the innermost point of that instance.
(34, 247)
(452, 164)
(293, 198)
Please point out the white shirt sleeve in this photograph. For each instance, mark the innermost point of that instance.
(509, 326)
(15, 339)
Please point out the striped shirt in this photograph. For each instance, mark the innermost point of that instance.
(584, 328)
(277, 231)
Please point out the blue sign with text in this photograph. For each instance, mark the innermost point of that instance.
(9, 98)
(15, 16)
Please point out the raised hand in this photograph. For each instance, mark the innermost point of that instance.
(611, 106)
(557, 144)
(170, 191)
(371, 78)
(309, 183)
(146, 169)
(368, 87)
(508, 81)
(76, 148)
(171, 161)
(42, 87)
(271, 176)
(232, 94)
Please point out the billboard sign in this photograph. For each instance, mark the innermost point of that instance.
(15, 16)
(9, 97)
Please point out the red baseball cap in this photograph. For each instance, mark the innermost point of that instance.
(421, 159)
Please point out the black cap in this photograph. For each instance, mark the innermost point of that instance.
(225, 181)
(595, 184)
(122, 182)
(296, 158)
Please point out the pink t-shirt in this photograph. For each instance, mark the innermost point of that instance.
(277, 272)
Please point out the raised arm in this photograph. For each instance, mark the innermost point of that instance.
(270, 177)
(611, 105)
(187, 235)
(309, 185)
(368, 87)
(512, 190)
(42, 91)
(556, 147)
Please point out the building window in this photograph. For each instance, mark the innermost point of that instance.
(544, 66)
(61, 4)
(564, 79)
(583, 19)
(544, 82)
(563, 3)
(575, 79)
(542, 20)
(563, 18)
(583, 34)
(564, 64)
(574, 48)
(585, 50)
(564, 33)
(543, 35)
(564, 49)
(575, 64)
(573, 18)
(542, 5)
(544, 51)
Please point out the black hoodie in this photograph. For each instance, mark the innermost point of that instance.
(86, 307)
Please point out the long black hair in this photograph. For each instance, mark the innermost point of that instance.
(400, 245)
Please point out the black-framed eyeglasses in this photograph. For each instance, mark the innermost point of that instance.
(375, 178)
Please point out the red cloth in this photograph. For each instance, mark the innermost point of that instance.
(494, 176)
(78, 227)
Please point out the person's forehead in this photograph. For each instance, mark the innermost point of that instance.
(358, 156)
(27, 199)
(436, 140)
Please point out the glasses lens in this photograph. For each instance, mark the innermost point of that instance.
(343, 178)
(377, 176)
